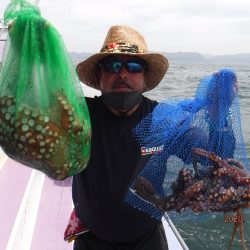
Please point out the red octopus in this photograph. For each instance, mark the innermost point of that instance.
(224, 187)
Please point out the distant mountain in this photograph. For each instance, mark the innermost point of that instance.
(197, 57)
(192, 57)
(237, 58)
(173, 57)
(185, 57)
(79, 57)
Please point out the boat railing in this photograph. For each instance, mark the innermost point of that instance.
(3, 31)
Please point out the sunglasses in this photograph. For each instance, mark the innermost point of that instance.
(116, 65)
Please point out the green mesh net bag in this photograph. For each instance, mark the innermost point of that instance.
(44, 120)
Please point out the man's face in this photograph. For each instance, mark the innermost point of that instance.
(123, 80)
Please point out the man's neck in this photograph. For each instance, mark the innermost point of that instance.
(124, 112)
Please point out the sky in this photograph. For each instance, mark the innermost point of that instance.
(209, 27)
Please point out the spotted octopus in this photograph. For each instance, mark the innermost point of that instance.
(50, 143)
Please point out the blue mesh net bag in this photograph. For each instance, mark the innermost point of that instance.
(196, 160)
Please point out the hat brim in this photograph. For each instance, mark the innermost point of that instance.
(157, 66)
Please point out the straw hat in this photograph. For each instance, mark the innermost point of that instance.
(123, 40)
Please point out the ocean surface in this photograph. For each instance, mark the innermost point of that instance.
(207, 231)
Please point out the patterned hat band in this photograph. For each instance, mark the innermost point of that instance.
(121, 48)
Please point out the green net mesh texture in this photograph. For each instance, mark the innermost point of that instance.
(44, 120)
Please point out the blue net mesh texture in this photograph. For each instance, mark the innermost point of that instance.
(197, 157)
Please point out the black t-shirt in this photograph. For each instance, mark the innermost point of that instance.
(99, 191)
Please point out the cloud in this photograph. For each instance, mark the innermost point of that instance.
(205, 26)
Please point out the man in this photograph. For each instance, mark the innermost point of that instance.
(122, 71)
